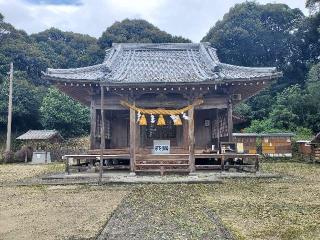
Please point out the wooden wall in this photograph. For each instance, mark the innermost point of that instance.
(117, 130)
(202, 132)
(249, 143)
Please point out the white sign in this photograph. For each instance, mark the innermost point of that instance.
(161, 146)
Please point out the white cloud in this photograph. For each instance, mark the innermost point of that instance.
(189, 18)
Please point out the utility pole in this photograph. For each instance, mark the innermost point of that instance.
(8, 146)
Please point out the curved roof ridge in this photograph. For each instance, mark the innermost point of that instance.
(210, 62)
(101, 66)
(160, 46)
(201, 71)
(213, 54)
(126, 67)
(194, 67)
(250, 69)
(108, 54)
(110, 60)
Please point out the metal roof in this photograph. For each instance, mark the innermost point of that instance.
(39, 135)
(161, 63)
(263, 135)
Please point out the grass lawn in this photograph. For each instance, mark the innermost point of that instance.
(15, 172)
(52, 212)
(286, 208)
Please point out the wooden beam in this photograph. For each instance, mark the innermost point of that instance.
(191, 139)
(132, 139)
(102, 133)
(230, 122)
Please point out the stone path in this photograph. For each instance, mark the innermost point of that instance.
(164, 212)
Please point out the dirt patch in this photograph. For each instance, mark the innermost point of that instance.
(78, 212)
(16, 172)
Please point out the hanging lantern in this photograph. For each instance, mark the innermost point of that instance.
(143, 120)
(161, 120)
(177, 121)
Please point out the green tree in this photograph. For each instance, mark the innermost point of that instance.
(261, 126)
(252, 34)
(135, 31)
(17, 47)
(313, 5)
(60, 112)
(68, 49)
(313, 98)
(26, 104)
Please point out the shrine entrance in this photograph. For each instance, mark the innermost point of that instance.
(153, 132)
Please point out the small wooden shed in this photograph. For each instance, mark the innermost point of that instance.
(39, 139)
(272, 144)
(277, 144)
(304, 148)
(249, 141)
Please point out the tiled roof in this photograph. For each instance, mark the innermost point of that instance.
(156, 63)
(39, 135)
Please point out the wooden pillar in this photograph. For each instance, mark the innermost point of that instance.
(102, 133)
(93, 123)
(185, 135)
(67, 165)
(46, 155)
(191, 139)
(133, 139)
(257, 163)
(222, 162)
(230, 122)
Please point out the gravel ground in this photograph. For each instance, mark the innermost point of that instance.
(56, 212)
(164, 212)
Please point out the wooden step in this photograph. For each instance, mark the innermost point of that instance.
(162, 164)
(162, 160)
(166, 170)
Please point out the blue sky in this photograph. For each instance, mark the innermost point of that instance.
(55, 2)
(187, 18)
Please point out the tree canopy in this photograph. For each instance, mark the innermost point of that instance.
(313, 5)
(250, 34)
(26, 101)
(68, 49)
(59, 111)
(136, 30)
